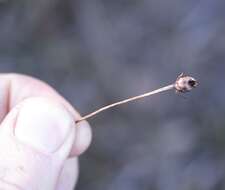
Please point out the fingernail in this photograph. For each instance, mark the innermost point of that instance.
(43, 124)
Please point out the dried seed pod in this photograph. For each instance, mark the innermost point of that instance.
(185, 83)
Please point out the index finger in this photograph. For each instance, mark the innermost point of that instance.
(14, 88)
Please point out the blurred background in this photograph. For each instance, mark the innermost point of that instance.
(95, 52)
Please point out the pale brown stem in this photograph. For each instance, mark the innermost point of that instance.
(163, 89)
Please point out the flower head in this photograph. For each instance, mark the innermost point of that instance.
(185, 83)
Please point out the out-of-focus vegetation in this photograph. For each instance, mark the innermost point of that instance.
(96, 52)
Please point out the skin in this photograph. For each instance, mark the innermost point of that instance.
(39, 140)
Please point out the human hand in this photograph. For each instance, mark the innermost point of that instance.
(39, 142)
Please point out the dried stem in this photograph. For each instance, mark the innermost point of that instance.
(182, 84)
(169, 87)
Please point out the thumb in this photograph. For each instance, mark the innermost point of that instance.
(36, 137)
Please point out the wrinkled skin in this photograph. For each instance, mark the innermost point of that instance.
(39, 140)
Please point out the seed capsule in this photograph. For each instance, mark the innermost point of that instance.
(185, 83)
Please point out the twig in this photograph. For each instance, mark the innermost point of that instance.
(182, 84)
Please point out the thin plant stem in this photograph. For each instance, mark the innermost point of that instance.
(182, 84)
(163, 89)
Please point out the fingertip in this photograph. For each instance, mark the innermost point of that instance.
(83, 138)
(43, 124)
